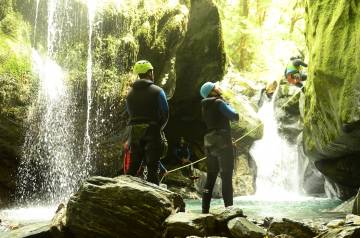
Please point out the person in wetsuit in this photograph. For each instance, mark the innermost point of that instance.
(148, 114)
(293, 72)
(217, 114)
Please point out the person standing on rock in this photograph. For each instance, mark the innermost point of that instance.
(149, 112)
(217, 115)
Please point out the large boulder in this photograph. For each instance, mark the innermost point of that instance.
(200, 58)
(292, 228)
(186, 224)
(240, 227)
(356, 206)
(332, 111)
(120, 207)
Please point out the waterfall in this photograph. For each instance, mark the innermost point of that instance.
(35, 22)
(50, 169)
(87, 141)
(276, 159)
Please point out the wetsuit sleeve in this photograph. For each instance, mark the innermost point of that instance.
(164, 108)
(228, 111)
(299, 62)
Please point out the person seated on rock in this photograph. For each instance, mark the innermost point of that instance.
(217, 115)
(183, 156)
(293, 72)
(148, 112)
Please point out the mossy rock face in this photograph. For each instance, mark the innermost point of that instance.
(16, 84)
(332, 106)
(199, 58)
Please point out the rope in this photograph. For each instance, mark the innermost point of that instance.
(235, 142)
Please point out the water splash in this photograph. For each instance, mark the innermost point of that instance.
(50, 169)
(35, 22)
(47, 174)
(276, 159)
(87, 142)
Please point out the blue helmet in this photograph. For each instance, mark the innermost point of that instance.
(206, 88)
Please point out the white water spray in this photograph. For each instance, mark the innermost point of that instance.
(87, 142)
(35, 23)
(276, 159)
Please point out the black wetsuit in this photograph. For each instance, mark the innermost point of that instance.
(148, 110)
(218, 148)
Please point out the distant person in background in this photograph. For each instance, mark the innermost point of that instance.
(293, 72)
(182, 151)
(217, 115)
(183, 156)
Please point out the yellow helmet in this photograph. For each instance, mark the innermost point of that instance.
(142, 66)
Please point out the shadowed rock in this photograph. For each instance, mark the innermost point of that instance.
(185, 224)
(242, 228)
(292, 228)
(120, 207)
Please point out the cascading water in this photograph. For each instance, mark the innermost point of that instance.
(87, 140)
(276, 159)
(45, 175)
(36, 19)
(50, 169)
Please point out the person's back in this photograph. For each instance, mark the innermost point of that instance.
(148, 114)
(142, 102)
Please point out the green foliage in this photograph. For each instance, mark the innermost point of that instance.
(254, 30)
(5, 8)
(15, 67)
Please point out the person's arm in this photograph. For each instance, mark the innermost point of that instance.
(228, 111)
(164, 109)
(299, 62)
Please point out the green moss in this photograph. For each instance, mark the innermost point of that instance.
(333, 91)
(5, 8)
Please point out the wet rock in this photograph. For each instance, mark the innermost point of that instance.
(336, 223)
(287, 111)
(223, 216)
(284, 236)
(242, 228)
(342, 232)
(185, 224)
(120, 207)
(58, 223)
(292, 228)
(343, 172)
(312, 180)
(356, 206)
(206, 237)
(331, 119)
(345, 207)
(37, 230)
(352, 220)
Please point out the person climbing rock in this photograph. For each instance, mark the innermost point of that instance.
(293, 72)
(148, 114)
(218, 144)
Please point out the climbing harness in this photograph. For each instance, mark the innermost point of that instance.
(235, 142)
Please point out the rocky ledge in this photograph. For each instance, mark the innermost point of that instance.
(129, 207)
